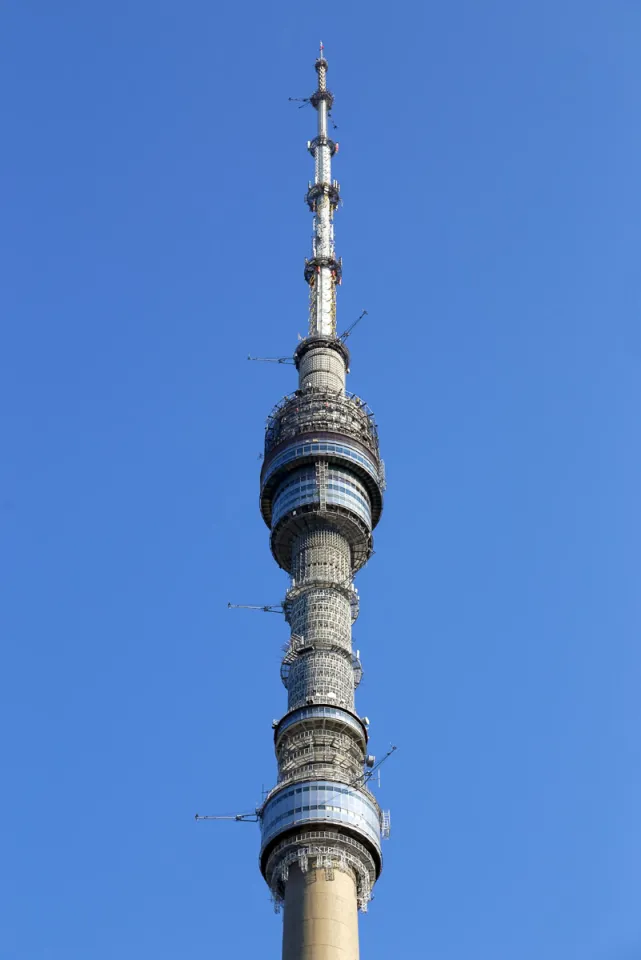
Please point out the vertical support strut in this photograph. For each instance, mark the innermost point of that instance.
(321, 480)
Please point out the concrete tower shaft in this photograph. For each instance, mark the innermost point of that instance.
(321, 921)
(321, 495)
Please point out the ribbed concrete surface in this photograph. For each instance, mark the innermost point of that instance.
(321, 918)
(322, 368)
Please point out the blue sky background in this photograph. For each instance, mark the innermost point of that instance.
(153, 235)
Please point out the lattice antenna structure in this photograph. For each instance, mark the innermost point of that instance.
(323, 271)
(321, 496)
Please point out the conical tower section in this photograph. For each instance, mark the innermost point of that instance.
(321, 495)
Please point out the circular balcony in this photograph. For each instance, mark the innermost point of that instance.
(309, 517)
(314, 411)
(324, 716)
(349, 464)
(321, 803)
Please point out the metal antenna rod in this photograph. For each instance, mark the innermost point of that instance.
(268, 608)
(380, 763)
(347, 332)
(238, 817)
(273, 359)
(323, 270)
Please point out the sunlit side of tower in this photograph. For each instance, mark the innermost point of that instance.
(321, 495)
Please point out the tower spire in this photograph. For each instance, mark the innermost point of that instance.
(321, 495)
(322, 270)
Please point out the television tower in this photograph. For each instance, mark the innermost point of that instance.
(321, 495)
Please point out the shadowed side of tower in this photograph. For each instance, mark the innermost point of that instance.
(321, 496)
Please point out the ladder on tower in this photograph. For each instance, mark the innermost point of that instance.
(386, 824)
(321, 483)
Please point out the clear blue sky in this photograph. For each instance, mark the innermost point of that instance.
(153, 234)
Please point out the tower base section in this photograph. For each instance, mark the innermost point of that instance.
(321, 915)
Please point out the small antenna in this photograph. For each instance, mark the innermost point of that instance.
(238, 817)
(273, 359)
(268, 608)
(343, 337)
(376, 768)
(302, 100)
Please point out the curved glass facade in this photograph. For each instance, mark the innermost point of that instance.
(301, 487)
(298, 488)
(320, 801)
(319, 713)
(326, 447)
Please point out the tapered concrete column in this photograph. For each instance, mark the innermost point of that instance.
(321, 916)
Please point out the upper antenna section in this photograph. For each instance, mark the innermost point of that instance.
(322, 270)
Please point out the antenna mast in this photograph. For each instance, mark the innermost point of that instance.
(323, 270)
